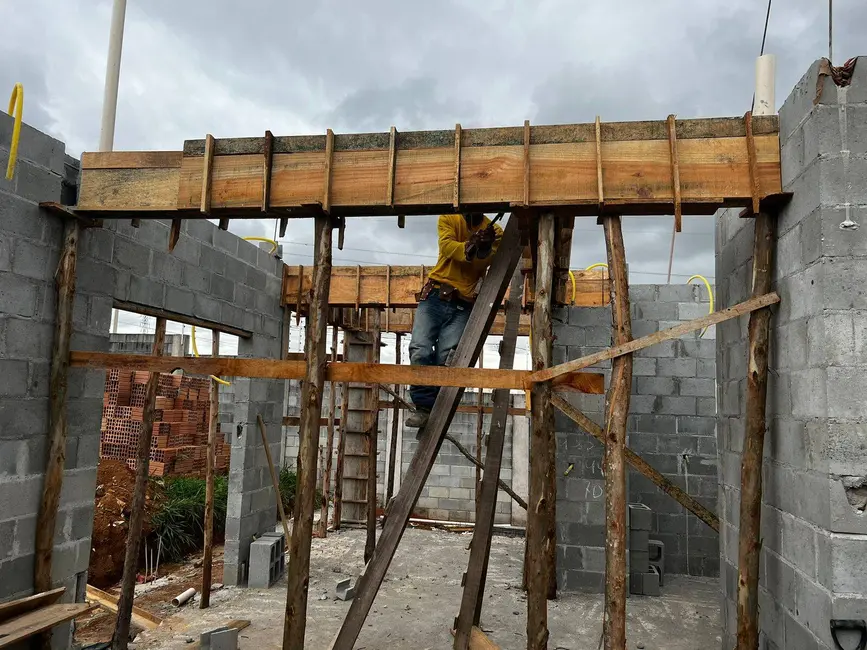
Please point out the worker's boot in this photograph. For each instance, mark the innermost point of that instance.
(418, 419)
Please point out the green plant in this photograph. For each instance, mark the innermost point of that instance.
(179, 519)
(289, 488)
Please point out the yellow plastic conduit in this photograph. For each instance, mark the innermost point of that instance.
(196, 353)
(572, 277)
(264, 239)
(709, 291)
(596, 266)
(16, 109)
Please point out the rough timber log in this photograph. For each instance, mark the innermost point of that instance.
(354, 174)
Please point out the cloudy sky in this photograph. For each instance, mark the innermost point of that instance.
(237, 68)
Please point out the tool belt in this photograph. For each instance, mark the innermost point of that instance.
(447, 293)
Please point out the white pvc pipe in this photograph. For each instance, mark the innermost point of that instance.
(112, 76)
(179, 600)
(766, 66)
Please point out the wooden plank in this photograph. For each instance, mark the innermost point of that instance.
(57, 407)
(464, 408)
(329, 165)
(311, 409)
(131, 159)
(395, 430)
(456, 201)
(367, 373)
(210, 466)
(207, 175)
(27, 625)
(640, 465)
(526, 163)
(155, 312)
(275, 481)
(658, 337)
(140, 617)
(267, 163)
(475, 577)
(392, 161)
(120, 638)
(540, 571)
(341, 445)
(479, 641)
(174, 233)
(401, 319)
(750, 541)
(372, 431)
(599, 184)
(617, 414)
(491, 294)
(21, 606)
(675, 172)
(636, 172)
(753, 163)
(397, 286)
(329, 443)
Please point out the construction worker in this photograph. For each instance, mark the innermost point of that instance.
(467, 243)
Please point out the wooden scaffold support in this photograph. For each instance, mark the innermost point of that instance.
(329, 442)
(337, 515)
(395, 430)
(372, 431)
(213, 425)
(750, 544)
(137, 510)
(477, 568)
(540, 542)
(614, 467)
(491, 293)
(311, 410)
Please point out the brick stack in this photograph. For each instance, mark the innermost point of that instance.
(180, 430)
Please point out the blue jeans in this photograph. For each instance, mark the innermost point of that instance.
(437, 329)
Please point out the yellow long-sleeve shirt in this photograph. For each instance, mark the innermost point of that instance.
(452, 266)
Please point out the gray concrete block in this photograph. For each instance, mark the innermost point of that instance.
(705, 387)
(642, 328)
(146, 291)
(655, 311)
(131, 256)
(33, 260)
(796, 636)
(844, 385)
(643, 367)
(676, 367)
(214, 260)
(655, 385)
(661, 351)
(16, 575)
(222, 288)
(675, 405)
(35, 183)
(206, 307)
(167, 268)
(809, 392)
(20, 217)
(226, 241)
(14, 379)
(18, 296)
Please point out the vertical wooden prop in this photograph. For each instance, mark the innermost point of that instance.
(395, 431)
(372, 431)
(480, 424)
(58, 381)
(329, 443)
(337, 516)
(538, 529)
(137, 512)
(614, 626)
(750, 546)
(275, 479)
(477, 568)
(311, 410)
(213, 424)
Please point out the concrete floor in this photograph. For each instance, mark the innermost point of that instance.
(420, 598)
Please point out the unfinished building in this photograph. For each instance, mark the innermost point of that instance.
(746, 440)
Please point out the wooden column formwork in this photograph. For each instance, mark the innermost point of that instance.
(213, 425)
(540, 541)
(120, 639)
(749, 543)
(614, 467)
(329, 443)
(491, 294)
(477, 568)
(311, 411)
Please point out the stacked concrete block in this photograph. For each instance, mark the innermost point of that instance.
(267, 560)
(672, 425)
(814, 528)
(644, 579)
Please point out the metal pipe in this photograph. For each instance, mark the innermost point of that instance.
(112, 76)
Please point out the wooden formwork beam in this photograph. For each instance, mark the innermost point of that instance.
(308, 434)
(120, 639)
(490, 295)
(477, 568)
(617, 413)
(213, 425)
(540, 543)
(428, 172)
(401, 319)
(749, 541)
(329, 443)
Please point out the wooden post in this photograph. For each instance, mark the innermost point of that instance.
(329, 444)
(311, 410)
(58, 380)
(275, 480)
(614, 626)
(213, 424)
(539, 540)
(341, 447)
(477, 568)
(137, 511)
(480, 422)
(395, 431)
(750, 545)
(372, 431)
(484, 310)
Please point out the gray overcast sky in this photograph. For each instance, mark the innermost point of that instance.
(237, 68)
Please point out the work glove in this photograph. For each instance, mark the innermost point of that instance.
(486, 242)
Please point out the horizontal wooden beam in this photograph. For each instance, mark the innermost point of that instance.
(400, 321)
(397, 286)
(463, 408)
(658, 337)
(418, 176)
(155, 312)
(362, 373)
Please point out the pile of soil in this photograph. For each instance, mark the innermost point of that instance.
(114, 491)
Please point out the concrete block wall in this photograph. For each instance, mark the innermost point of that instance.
(814, 525)
(176, 345)
(671, 425)
(30, 243)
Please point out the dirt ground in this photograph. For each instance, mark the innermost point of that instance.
(420, 598)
